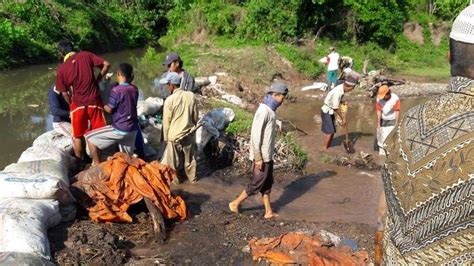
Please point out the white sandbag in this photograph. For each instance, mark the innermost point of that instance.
(17, 258)
(150, 106)
(152, 134)
(316, 86)
(46, 152)
(232, 99)
(36, 186)
(382, 134)
(24, 224)
(212, 123)
(55, 139)
(323, 60)
(44, 167)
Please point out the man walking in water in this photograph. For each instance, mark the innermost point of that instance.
(76, 81)
(262, 144)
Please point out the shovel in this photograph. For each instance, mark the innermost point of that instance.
(348, 145)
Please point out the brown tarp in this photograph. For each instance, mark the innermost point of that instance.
(302, 249)
(108, 189)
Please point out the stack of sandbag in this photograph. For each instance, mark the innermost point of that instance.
(35, 196)
(212, 123)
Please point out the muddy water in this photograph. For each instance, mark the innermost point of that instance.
(24, 103)
(361, 112)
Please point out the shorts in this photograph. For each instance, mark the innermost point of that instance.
(328, 125)
(332, 76)
(85, 118)
(107, 136)
(262, 181)
(63, 128)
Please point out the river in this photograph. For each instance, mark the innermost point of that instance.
(24, 102)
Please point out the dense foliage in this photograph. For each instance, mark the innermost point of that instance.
(30, 28)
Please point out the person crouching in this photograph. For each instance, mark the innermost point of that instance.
(123, 107)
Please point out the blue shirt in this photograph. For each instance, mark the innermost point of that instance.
(123, 101)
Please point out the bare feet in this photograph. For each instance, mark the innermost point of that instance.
(233, 208)
(270, 215)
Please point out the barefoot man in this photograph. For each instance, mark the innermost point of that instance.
(262, 143)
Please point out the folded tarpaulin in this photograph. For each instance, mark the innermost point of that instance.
(304, 249)
(108, 189)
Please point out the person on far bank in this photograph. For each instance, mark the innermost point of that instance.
(388, 112)
(174, 64)
(332, 104)
(76, 81)
(332, 60)
(180, 117)
(59, 108)
(262, 144)
(123, 107)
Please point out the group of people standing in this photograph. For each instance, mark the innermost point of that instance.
(387, 104)
(78, 111)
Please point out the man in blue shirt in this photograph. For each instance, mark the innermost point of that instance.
(59, 108)
(123, 107)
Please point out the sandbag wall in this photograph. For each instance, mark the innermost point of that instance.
(34, 197)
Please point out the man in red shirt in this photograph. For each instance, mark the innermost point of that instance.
(76, 80)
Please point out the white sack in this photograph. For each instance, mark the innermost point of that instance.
(37, 186)
(382, 134)
(54, 139)
(44, 167)
(46, 152)
(232, 99)
(316, 86)
(152, 135)
(212, 123)
(150, 106)
(24, 224)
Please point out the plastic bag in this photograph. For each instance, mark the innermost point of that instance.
(24, 224)
(212, 123)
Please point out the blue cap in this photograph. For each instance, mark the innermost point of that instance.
(172, 78)
(170, 58)
(278, 87)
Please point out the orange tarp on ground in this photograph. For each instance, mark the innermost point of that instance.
(108, 189)
(303, 249)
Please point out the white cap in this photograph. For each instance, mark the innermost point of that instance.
(463, 26)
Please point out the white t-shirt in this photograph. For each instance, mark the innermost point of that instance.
(333, 99)
(389, 107)
(333, 58)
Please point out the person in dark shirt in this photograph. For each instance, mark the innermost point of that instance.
(174, 64)
(123, 107)
(76, 80)
(59, 108)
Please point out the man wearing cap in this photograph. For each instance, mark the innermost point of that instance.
(174, 64)
(387, 108)
(180, 116)
(332, 60)
(331, 105)
(262, 144)
(429, 171)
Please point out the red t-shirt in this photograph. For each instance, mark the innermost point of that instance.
(77, 75)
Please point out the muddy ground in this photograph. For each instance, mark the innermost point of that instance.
(341, 199)
(212, 234)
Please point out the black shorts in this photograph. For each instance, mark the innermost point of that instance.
(262, 181)
(328, 125)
